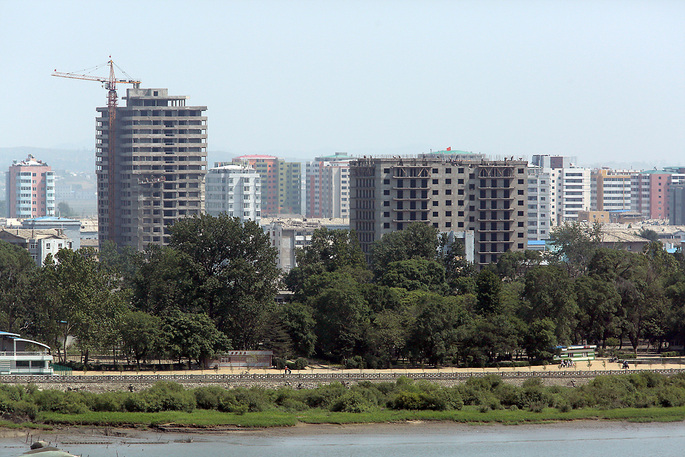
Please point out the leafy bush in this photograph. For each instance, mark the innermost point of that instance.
(279, 363)
(355, 362)
(208, 397)
(671, 354)
(353, 401)
(301, 363)
(671, 396)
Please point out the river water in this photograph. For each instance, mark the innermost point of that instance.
(411, 440)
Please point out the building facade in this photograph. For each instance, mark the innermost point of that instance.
(158, 167)
(541, 208)
(289, 234)
(281, 183)
(611, 190)
(38, 243)
(30, 188)
(235, 190)
(651, 192)
(486, 197)
(328, 186)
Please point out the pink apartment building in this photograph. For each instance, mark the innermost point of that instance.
(30, 189)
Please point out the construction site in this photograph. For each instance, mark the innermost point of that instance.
(151, 159)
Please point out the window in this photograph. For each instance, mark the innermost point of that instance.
(448, 202)
(448, 213)
(436, 181)
(448, 191)
(448, 181)
(386, 192)
(436, 192)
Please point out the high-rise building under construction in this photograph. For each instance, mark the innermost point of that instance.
(159, 164)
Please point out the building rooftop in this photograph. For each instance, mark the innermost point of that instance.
(33, 234)
(256, 156)
(51, 219)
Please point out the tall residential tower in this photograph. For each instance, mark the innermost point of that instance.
(159, 165)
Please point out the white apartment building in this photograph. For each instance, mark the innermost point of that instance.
(327, 186)
(574, 192)
(541, 202)
(234, 190)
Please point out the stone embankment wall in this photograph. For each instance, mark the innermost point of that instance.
(108, 383)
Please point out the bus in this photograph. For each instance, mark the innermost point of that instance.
(575, 353)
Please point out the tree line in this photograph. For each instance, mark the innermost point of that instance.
(417, 300)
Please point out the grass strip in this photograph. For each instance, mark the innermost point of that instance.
(469, 415)
(200, 418)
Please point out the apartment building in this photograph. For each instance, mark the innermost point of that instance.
(327, 183)
(651, 191)
(611, 189)
(159, 164)
(281, 183)
(235, 190)
(485, 197)
(30, 186)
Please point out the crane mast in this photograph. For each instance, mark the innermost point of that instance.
(109, 83)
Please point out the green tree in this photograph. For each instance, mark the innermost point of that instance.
(235, 272)
(540, 340)
(600, 307)
(418, 240)
(194, 337)
(298, 321)
(439, 327)
(488, 289)
(649, 234)
(549, 294)
(18, 272)
(513, 265)
(165, 280)
(84, 300)
(330, 250)
(576, 244)
(141, 335)
(64, 210)
(414, 274)
(341, 314)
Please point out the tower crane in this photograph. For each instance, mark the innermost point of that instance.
(110, 84)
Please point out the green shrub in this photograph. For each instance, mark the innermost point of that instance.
(323, 396)
(208, 397)
(25, 408)
(355, 362)
(353, 401)
(671, 354)
(279, 363)
(301, 363)
(671, 396)
(60, 402)
(109, 402)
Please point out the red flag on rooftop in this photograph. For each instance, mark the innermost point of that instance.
(449, 149)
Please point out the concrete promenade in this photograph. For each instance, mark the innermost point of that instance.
(311, 377)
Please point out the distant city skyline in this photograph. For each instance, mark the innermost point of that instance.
(601, 81)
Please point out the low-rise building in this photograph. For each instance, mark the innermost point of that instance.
(288, 234)
(39, 243)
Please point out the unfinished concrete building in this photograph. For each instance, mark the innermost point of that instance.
(483, 200)
(159, 166)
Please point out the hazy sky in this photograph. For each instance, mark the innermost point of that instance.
(600, 80)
